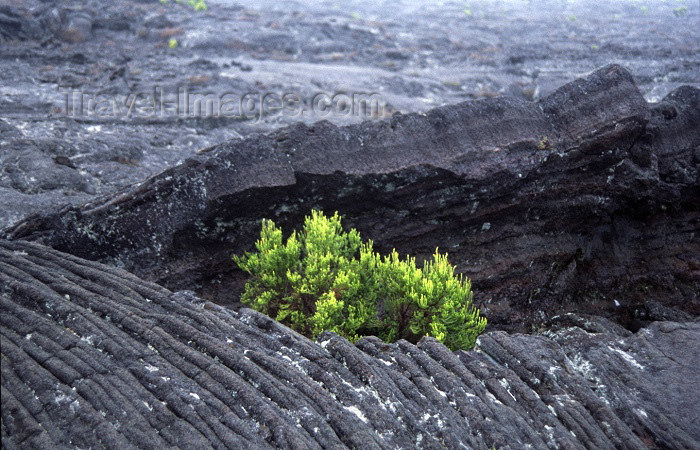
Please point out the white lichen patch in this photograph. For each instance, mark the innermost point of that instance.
(582, 366)
(627, 357)
(348, 384)
(427, 417)
(506, 386)
(442, 393)
(151, 368)
(549, 431)
(474, 206)
(355, 410)
(492, 398)
(383, 402)
(367, 392)
(61, 398)
(296, 359)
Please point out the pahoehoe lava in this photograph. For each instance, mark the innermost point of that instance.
(93, 356)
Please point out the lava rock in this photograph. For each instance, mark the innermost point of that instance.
(72, 25)
(30, 171)
(96, 357)
(18, 24)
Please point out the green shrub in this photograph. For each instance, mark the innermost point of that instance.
(323, 278)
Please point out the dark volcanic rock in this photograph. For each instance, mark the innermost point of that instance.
(584, 201)
(92, 356)
(18, 25)
(59, 57)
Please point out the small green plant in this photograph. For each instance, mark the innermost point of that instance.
(323, 278)
(544, 144)
(197, 5)
(680, 12)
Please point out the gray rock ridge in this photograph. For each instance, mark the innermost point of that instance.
(94, 356)
(585, 201)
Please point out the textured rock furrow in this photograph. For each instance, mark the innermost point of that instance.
(437, 408)
(132, 403)
(586, 411)
(60, 403)
(625, 388)
(90, 357)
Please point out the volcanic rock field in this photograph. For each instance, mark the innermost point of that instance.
(551, 148)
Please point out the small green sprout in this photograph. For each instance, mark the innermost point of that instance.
(544, 144)
(680, 12)
(197, 5)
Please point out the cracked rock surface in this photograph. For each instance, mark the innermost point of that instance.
(93, 356)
